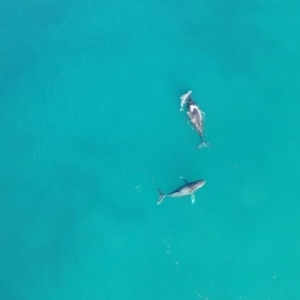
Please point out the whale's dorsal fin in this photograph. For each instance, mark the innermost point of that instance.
(193, 198)
(185, 181)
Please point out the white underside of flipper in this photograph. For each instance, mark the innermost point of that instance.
(183, 99)
(193, 198)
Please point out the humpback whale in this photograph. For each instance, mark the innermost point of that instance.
(189, 188)
(195, 115)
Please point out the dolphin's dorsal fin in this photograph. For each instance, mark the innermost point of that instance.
(193, 198)
(185, 181)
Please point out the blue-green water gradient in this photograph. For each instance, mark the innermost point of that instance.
(90, 126)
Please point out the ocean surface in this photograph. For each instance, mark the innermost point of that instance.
(90, 126)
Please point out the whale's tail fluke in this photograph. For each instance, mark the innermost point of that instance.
(161, 196)
(203, 145)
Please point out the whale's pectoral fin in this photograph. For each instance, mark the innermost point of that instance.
(185, 181)
(193, 198)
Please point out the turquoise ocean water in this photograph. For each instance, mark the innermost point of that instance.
(90, 126)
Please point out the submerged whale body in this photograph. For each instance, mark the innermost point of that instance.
(195, 115)
(189, 188)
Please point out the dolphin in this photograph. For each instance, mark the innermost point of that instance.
(189, 188)
(195, 115)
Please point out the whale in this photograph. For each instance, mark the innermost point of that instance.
(189, 188)
(195, 116)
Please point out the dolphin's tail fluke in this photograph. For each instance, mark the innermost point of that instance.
(203, 145)
(161, 196)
